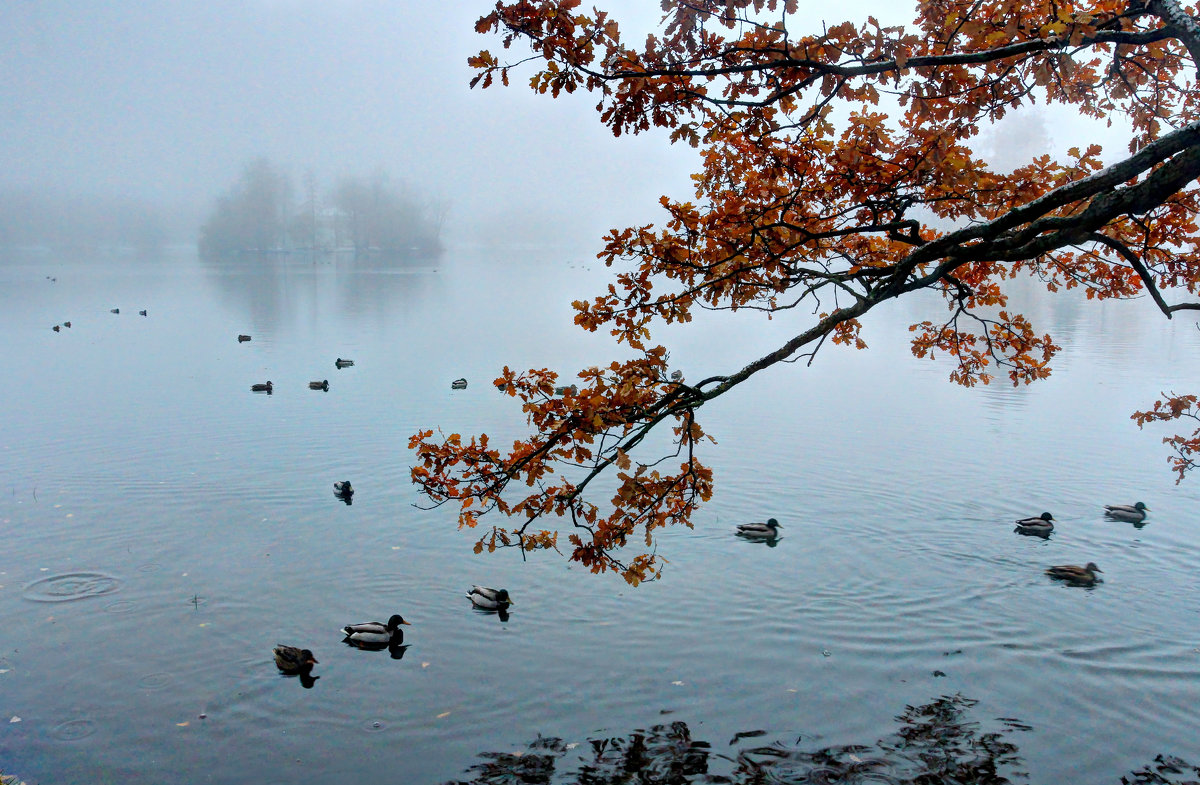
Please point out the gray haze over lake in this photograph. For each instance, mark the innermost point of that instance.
(167, 101)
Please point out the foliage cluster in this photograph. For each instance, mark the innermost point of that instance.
(837, 173)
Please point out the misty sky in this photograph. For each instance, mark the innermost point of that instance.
(167, 99)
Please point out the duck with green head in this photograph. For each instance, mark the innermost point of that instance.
(1133, 513)
(759, 531)
(1041, 526)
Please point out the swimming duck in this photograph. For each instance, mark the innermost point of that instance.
(66, 324)
(1041, 525)
(1076, 576)
(243, 338)
(57, 328)
(268, 387)
(458, 384)
(760, 531)
(569, 389)
(321, 385)
(115, 310)
(1134, 513)
(141, 313)
(343, 488)
(489, 599)
(376, 633)
(294, 661)
(340, 363)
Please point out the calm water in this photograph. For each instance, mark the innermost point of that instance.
(197, 518)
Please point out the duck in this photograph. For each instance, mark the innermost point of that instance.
(141, 313)
(243, 338)
(294, 661)
(760, 531)
(677, 376)
(267, 387)
(376, 633)
(321, 385)
(343, 488)
(489, 599)
(1074, 575)
(1134, 513)
(340, 363)
(66, 324)
(114, 310)
(458, 384)
(57, 328)
(1041, 525)
(569, 389)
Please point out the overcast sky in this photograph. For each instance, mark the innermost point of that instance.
(167, 100)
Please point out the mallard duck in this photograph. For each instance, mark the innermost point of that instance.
(340, 363)
(321, 385)
(1134, 513)
(243, 338)
(1043, 524)
(458, 384)
(760, 531)
(343, 488)
(376, 633)
(267, 387)
(489, 599)
(1078, 576)
(293, 661)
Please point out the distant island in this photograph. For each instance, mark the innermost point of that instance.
(260, 214)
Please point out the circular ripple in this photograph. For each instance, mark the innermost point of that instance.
(120, 606)
(151, 567)
(71, 586)
(154, 681)
(73, 729)
(374, 726)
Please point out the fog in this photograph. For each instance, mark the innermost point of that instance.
(161, 105)
(164, 103)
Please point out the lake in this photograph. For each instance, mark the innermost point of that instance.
(162, 528)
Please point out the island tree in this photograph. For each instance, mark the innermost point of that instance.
(837, 173)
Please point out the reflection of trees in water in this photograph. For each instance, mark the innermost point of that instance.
(273, 291)
(934, 744)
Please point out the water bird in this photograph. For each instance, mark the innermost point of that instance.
(340, 363)
(376, 633)
(760, 531)
(677, 376)
(458, 384)
(56, 328)
(294, 661)
(489, 599)
(66, 324)
(1074, 575)
(343, 488)
(569, 389)
(115, 310)
(1042, 525)
(141, 313)
(321, 385)
(243, 338)
(1134, 513)
(267, 387)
